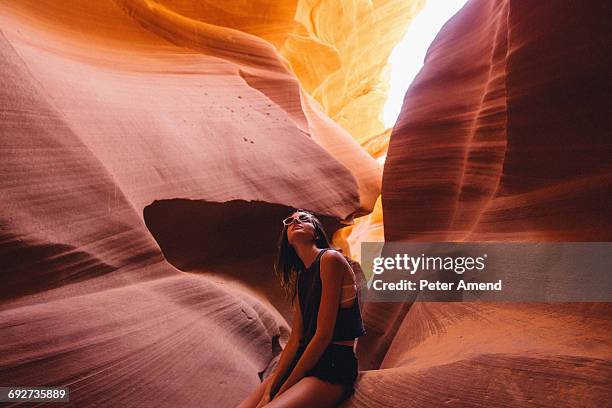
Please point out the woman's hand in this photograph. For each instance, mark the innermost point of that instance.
(284, 388)
(265, 397)
(264, 401)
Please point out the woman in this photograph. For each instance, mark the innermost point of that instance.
(318, 366)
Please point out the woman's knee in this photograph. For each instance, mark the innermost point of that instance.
(255, 396)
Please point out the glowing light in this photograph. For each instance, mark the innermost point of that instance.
(407, 57)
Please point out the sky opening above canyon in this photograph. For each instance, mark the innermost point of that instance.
(407, 57)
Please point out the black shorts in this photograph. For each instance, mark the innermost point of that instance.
(337, 365)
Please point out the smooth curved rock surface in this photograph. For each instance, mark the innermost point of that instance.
(141, 344)
(503, 355)
(340, 56)
(504, 133)
(108, 108)
(114, 112)
(503, 136)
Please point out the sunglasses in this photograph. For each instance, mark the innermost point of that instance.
(302, 218)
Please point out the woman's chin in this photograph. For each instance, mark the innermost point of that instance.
(298, 240)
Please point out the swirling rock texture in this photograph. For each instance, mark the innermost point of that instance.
(504, 136)
(141, 139)
(130, 128)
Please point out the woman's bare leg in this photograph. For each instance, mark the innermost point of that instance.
(309, 392)
(253, 399)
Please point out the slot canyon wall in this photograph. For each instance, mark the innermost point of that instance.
(503, 136)
(148, 150)
(142, 139)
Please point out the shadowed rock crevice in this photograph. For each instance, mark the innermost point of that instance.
(197, 234)
(276, 352)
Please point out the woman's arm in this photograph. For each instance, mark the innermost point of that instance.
(333, 267)
(291, 346)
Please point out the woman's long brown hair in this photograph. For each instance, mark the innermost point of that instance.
(288, 264)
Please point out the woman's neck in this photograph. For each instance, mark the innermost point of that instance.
(307, 252)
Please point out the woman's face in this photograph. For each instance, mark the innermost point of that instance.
(302, 228)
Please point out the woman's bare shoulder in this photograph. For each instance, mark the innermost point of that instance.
(334, 256)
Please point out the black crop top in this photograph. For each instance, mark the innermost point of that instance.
(348, 321)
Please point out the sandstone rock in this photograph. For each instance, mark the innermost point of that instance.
(117, 113)
(503, 136)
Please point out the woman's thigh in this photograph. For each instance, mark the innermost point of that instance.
(309, 392)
